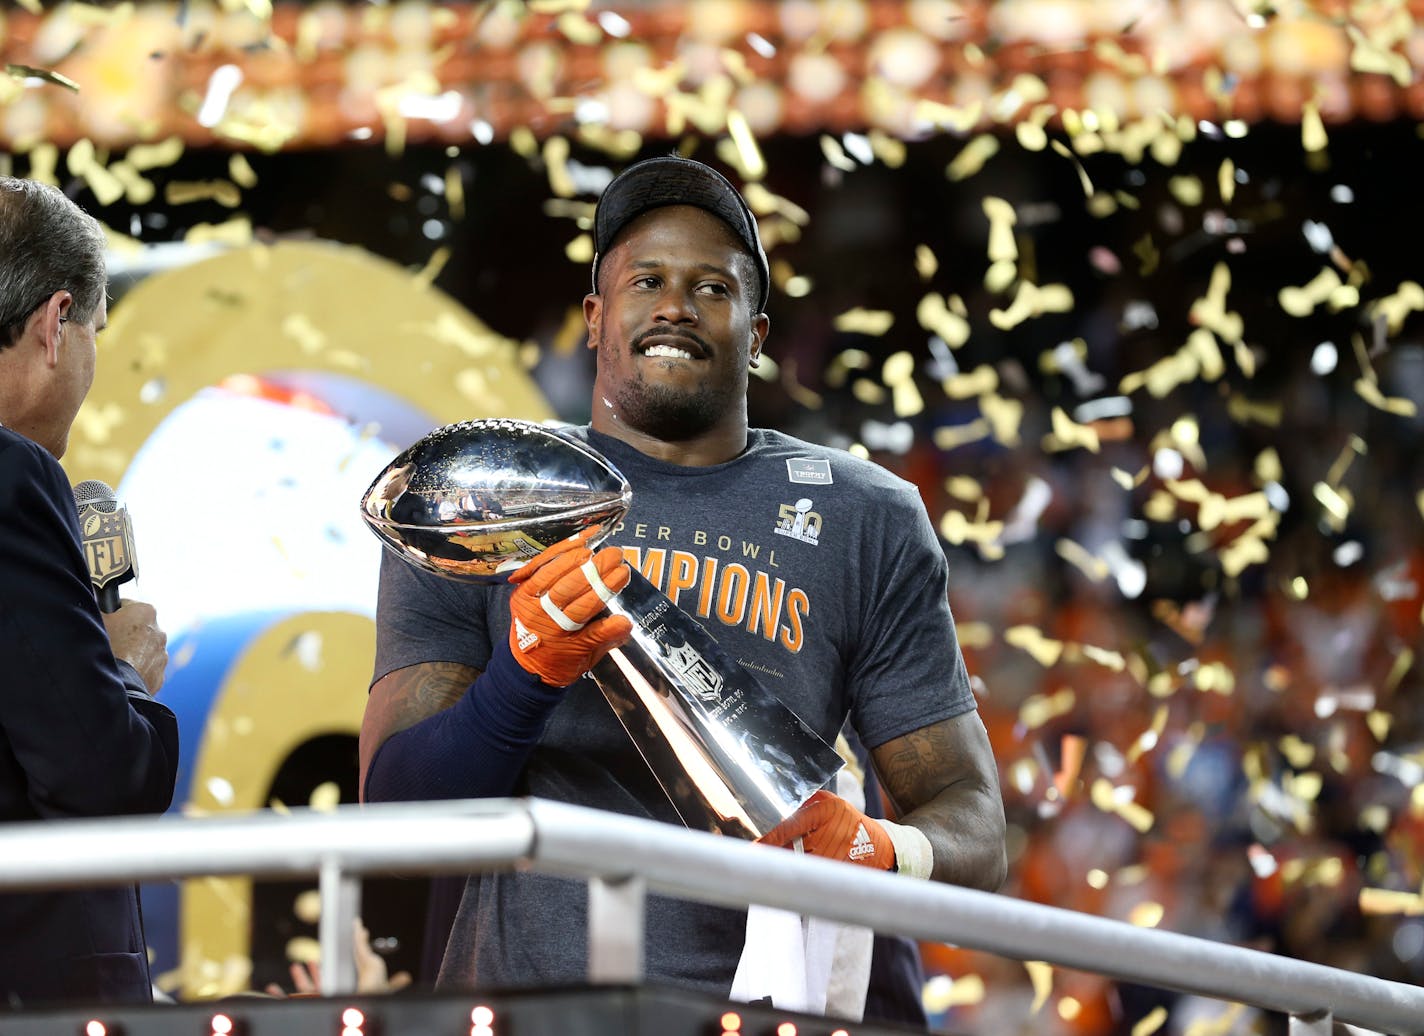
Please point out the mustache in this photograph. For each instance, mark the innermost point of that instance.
(670, 332)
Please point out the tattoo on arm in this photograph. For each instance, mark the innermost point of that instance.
(402, 699)
(913, 769)
(420, 691)
(943, 780)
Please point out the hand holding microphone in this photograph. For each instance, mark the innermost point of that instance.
(554, 633)
(106, 536)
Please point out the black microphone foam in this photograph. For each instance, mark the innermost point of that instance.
(107, 538)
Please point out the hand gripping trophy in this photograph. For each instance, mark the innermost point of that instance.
(475, 500)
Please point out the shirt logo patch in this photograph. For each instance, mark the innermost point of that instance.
(809, 471)
(799, 522)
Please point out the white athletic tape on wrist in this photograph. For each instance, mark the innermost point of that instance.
(595, 580)
(913, 854)
(557, 614)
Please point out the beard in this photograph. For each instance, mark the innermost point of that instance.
(666, 412)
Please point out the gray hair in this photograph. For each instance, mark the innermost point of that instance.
(47, 244)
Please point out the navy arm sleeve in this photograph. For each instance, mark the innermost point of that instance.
(474, 749)
(80, 729)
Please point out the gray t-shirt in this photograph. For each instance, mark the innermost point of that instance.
(818, 571)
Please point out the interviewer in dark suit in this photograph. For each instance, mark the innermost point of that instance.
(80, 734)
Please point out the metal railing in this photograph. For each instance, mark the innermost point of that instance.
(624, 859)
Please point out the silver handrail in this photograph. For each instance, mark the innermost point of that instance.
(625, 858)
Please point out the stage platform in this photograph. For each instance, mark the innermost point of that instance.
(584, 1011)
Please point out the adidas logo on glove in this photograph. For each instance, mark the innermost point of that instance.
(862, 845)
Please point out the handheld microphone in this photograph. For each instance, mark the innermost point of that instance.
(107, 538)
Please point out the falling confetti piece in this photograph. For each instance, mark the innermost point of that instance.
(1146, 915)
(44, 74)
(1030, 639)
(873, 322)
(1039, 709)
(1390, 901)
(304, 950)
(325, 797)
(972, 158)
(1040, 975)
(1150, 1022)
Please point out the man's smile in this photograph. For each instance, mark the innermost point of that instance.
(671, 345)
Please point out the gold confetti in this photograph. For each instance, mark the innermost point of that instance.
(1148, 739)
(1369, 391)
(1150, 1022)
(890, 150)
(234, 233)
(1040, 975)
(1038, 709)
(1032, 301)
(1146, 915)
(973, 156)
(1030, 639)
(925, 265)
(963, 991)
(1210, 310)
(556, 163)
(956, 120)
(304, 950)
(1325, 287)
(1395, 308)
(455, 193)
(956, 528)
(1004, 417)
(580, 249)
(1083, 180)
(48, 76)
(751, 165)
(325, 797)
(899, 373)
(835, 154)
(980, 380)
(307, 907)
(1402, 664)
(1127, 480)
(1226, 180)
(299, 327)
(431, 270)
(575, 28)
(1390, 901)
(1369, 56)
(976, 634)
(226, 194)
(1312, 129)
(241, 172)
(1067, 434)
(1001, 229)
(949, 437)
(1076, 555)
(873, 322)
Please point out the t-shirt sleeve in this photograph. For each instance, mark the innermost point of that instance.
(421, 617)
(907, 671)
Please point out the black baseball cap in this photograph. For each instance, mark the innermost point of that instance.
(673, 180)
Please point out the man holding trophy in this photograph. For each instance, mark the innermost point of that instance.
(776, 564)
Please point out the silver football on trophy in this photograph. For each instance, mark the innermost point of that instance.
(474, 500)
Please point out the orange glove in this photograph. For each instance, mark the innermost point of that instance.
(831, 827)
(558, 594)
